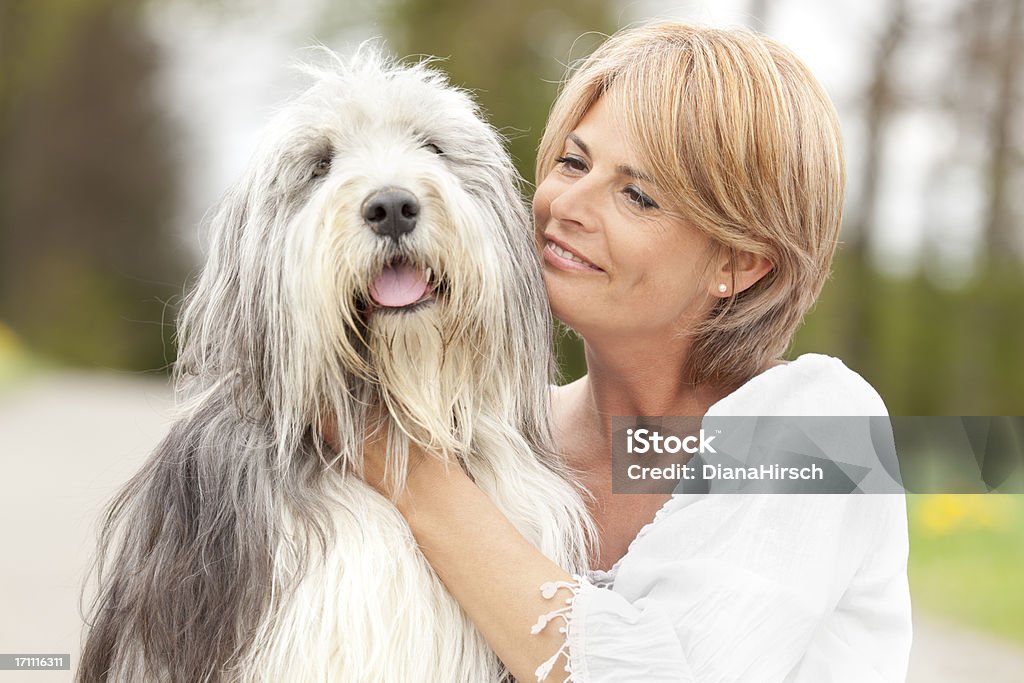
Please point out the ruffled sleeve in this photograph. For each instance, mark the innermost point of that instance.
(600, 649)
(779, 604)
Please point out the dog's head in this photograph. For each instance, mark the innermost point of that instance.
(377, 248)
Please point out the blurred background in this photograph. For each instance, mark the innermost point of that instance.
(122, 121)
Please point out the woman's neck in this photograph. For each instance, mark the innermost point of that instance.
(644, 378)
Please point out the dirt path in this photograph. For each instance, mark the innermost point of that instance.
(946, 653)
(66, 443)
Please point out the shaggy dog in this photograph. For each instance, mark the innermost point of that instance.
(376, 258)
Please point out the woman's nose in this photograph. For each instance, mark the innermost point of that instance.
(576, 205)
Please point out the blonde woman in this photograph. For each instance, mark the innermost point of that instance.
(689, 201)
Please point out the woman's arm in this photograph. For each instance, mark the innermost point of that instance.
(492, 571)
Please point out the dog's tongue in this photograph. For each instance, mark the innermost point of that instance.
(399, 285)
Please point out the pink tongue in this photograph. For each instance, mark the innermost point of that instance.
(398, 286)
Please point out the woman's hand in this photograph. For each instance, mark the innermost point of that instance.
(375, 462)
(424, 471)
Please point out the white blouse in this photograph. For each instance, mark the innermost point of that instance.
(795, 588)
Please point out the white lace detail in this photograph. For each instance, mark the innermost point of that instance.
(547, 591)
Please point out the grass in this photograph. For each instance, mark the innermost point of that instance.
(15, 362)
(967, 560)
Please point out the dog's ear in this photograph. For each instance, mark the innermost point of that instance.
(527, 355)
(237, 329)
(219, 328)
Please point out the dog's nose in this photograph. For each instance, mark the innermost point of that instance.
(391, 212)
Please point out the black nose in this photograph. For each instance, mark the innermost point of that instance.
(391, 212)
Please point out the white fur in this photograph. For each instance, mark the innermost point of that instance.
(276, 344)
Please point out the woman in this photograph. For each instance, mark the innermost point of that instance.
(690, 197)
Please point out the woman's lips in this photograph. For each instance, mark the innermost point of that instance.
(564, 259)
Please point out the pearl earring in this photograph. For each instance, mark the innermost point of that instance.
(723, 288)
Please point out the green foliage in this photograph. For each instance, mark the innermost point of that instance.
(88, 186)
(572, 362)
(927, 349)
(35, 38)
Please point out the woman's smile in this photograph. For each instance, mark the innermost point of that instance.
(561, 256)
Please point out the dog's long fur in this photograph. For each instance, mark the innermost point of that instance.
(246, 549)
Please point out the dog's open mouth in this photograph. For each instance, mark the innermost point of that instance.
(402, 286)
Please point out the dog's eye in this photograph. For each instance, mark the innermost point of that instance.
(433, 148)
(323, 165)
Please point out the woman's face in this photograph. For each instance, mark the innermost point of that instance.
(615, 261)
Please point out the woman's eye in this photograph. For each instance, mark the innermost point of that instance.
(430, 146)
(323, 165)
(639, 198)
(572, 163)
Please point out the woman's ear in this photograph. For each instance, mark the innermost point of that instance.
(738, 271)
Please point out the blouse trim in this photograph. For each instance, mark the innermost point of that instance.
(548, 591)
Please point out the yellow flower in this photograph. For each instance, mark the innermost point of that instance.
(944, 513)
(9, 345)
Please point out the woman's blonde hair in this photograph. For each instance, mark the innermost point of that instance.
(746, 144)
